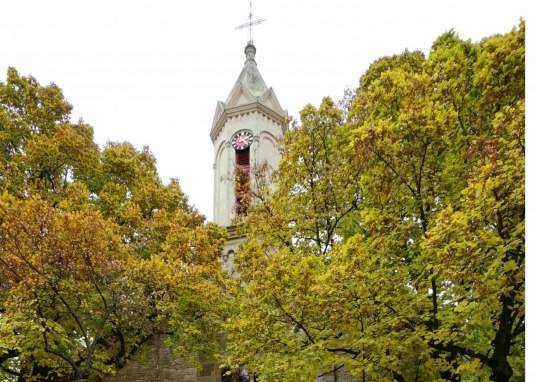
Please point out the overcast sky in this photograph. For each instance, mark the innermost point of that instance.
(151, 72)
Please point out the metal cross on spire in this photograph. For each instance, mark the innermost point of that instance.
(251, 23)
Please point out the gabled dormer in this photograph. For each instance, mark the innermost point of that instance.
(270, 100)
(240, 95)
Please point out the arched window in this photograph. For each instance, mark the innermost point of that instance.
(228, 256)
(225, 375)
(240, 375)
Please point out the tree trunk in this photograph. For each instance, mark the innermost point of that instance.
(501, 370)
(398, 377)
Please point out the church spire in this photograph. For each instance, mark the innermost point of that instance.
(245, 132)
(250, 76)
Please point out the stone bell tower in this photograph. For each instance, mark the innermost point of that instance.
(245, 132)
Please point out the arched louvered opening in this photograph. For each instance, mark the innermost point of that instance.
(241, 186)
(242, 157)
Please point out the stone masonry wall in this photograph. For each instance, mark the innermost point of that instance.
(157, 364)
(341, 375)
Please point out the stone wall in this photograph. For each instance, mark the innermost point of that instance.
(156, 363)
(341, 375)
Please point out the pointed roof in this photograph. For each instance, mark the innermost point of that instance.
(249, 77)
(249, 93)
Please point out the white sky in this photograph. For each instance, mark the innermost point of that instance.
(151, 72)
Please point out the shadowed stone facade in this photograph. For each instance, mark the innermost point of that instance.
(156, 363)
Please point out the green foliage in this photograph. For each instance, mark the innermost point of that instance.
(315, 188)
(40, 149)
(96, 254)
(393, 244)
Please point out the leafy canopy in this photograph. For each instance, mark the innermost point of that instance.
(97, 255)
(390, 242)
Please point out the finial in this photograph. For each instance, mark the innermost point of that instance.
(250, 24)
(250, 52)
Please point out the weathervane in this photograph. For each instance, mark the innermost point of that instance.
(251, 23)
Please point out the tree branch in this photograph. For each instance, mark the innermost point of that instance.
(68, 359)
(299, 324)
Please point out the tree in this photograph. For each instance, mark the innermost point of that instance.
(423, 277)
(292, 229)
(66, 274)
(315, 191)
(96, 254)
(41, 150)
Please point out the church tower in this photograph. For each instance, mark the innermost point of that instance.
(245, 132)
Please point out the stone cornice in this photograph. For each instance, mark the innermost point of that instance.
(246, 109)
(235, 232)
